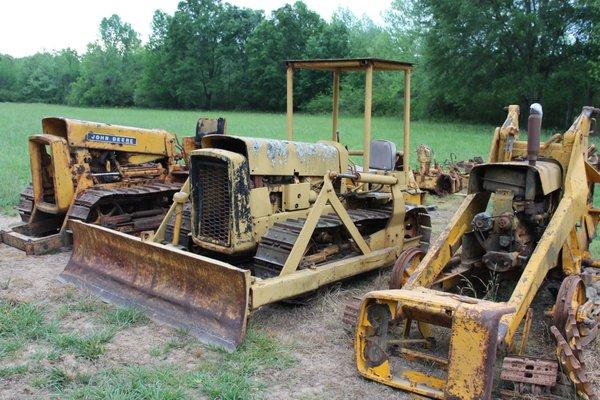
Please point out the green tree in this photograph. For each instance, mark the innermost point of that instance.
(47, 77)
(153, 89)
(201, 54)
(109, 68)
(292, 32)
(8, 78)
(480, 57)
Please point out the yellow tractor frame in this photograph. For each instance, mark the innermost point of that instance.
(479, 327)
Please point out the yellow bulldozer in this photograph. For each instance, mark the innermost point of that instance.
(262, 220)
(527, 221)
(120, 177)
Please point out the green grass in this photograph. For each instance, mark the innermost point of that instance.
(227, 376)
(17, 121)
(234, 376)
(134, 382)
(13, 370)
(122, 318)
(21, 323)
(90, 345)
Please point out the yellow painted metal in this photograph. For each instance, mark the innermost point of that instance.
(160, 234)
(367, 121)
(473, 341)
(281, 157)
(296, 196)
(406, 147)
(267, 291)
(478, 326)
(290, 102)
(318, 173)
(327, 195)
(336, 105)
(367, 65)
(505, 137)
(93, 135)
(56, 164)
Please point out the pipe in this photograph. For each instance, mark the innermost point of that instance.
(534, 128)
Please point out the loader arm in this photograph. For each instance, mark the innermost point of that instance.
(448, 242)
(546, 254)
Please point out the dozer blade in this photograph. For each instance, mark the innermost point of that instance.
(205, 296)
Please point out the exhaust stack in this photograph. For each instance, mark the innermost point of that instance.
(534, 128)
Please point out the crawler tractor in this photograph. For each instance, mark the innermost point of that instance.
(260, 221)
(528, 219)
(120, 177)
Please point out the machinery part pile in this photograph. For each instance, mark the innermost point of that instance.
(450, 178)
(530, 377)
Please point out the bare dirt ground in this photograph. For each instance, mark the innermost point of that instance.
(310, 355)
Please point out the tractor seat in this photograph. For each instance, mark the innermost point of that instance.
(383, 155)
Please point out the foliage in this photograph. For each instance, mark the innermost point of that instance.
(473, 58)
(482, 57)
(109, 68)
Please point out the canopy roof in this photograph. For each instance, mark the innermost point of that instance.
(350, 64)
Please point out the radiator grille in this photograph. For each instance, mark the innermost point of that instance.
(212, 199)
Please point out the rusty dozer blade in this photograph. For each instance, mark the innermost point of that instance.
(205, 296)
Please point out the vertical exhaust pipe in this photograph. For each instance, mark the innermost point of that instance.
(534, 128)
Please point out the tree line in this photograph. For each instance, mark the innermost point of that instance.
(472, 58)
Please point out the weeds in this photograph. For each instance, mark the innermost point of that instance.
(133, 383)
(232, 378)
(54, 378)
(122, 318)
(21, 323)
(6, 372)
(89, 345)
(488, 290)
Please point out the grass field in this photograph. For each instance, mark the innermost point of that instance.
(17, 121)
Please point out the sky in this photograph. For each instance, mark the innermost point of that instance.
(29, 26)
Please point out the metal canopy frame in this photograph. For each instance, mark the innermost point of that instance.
(337, 66)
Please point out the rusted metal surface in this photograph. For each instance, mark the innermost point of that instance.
(404, 267)
(534, 128)
(574, 368)
(25, 206)
(350, 316)
(206, 296)
(432, 177)
(19, 238)
(530, 376)
(472, 357)
(277, 243)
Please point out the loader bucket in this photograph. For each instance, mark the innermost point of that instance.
(205, 296)
(466, 372)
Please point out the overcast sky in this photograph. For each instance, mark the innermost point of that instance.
(28, 26)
